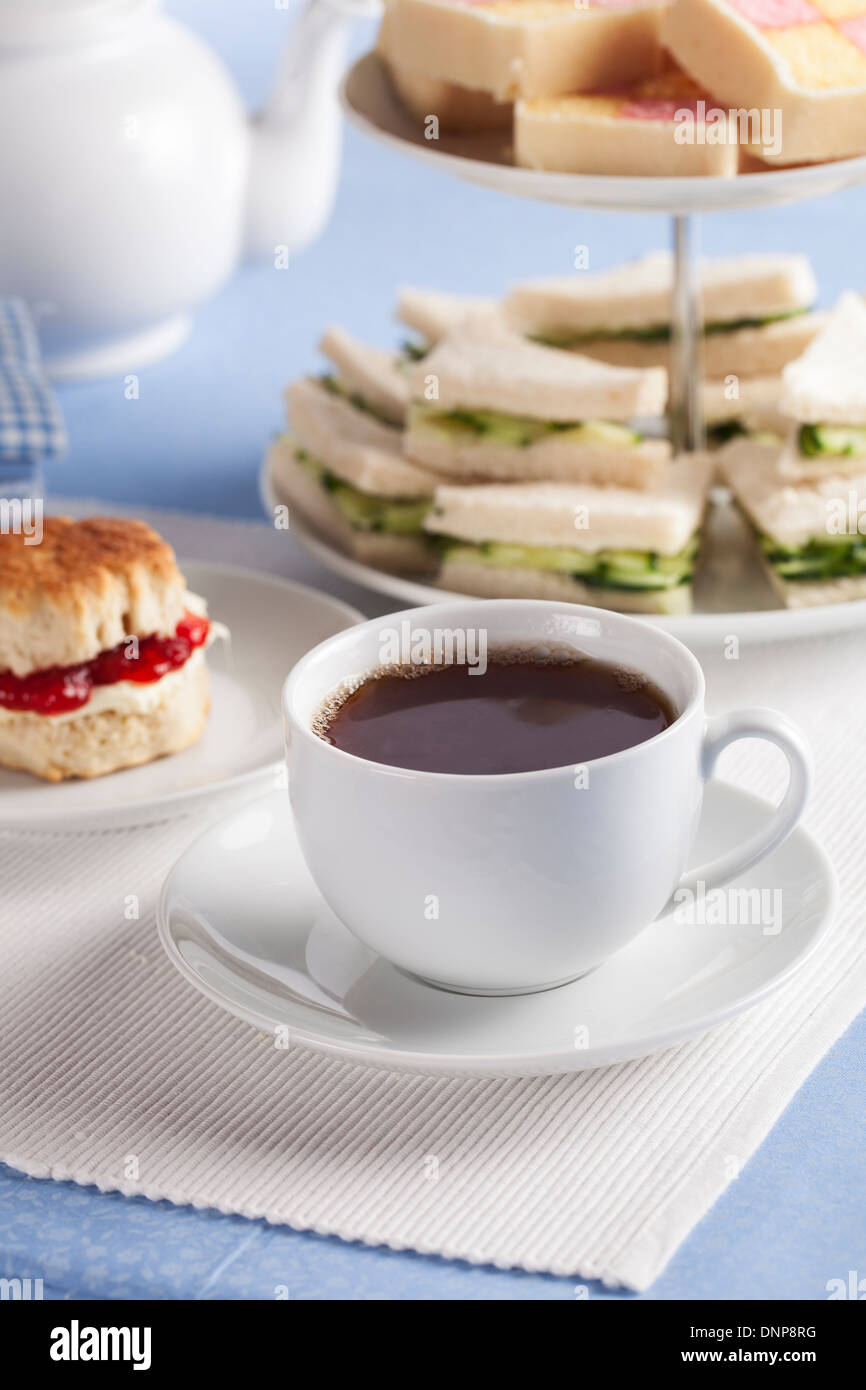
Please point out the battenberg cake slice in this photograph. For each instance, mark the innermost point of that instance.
(526, 48)
(656, 127)
(805, 59)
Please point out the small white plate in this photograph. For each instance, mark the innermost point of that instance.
(486, 158)
(272, 623)
(732, 593)
(241, 919)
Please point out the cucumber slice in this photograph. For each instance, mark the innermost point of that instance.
(604, 432)
(606, 569)
(833, 440)
(655, 332)
(627, 561)
(404, 518)
(830, 559)
(539, 557)
(520, 431)
(367, 511)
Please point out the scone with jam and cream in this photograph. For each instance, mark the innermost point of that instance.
(102, 650)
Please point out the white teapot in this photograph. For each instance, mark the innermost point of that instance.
(131, 178)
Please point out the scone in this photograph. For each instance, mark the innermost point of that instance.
(102, 650)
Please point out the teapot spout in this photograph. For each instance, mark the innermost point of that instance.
(297, 139)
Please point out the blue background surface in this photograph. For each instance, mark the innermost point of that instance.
(795, 1217)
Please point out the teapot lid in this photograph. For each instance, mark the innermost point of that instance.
(46, 23)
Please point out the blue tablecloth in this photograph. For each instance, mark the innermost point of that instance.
(795, 1218)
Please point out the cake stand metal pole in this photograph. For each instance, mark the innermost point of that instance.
(686, 418)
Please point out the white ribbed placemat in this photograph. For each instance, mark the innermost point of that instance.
(115, 1072)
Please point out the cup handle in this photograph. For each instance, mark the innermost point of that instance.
(778, 729)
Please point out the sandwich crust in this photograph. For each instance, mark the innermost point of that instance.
(84, 588)
(370, 372)
(436, 313)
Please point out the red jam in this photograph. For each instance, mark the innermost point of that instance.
(59, 689)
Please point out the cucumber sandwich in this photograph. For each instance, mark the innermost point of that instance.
(614, 547)
(489, 404)
(433, 314)
(368, 377)
(807, 532)
(743, 406)
(824, 396)
(755, 309)
(342, 466)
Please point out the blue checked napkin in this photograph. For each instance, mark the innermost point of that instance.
(31, 423)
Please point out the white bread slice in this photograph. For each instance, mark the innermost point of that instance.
(796, 60)
(355, 446)
(828, 383)
(747, 352)
(802, 594)
(434, 313)
(487, 365)
(409, 554)
(796, 467)
(461, 576)
(753, 399)
(527, 48)
(637, 295)
(457, 109)
(369, 372)
(553, 458)
(583, 517)
(792, 514)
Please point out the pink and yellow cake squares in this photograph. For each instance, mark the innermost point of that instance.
(656, 127)
(804, 61)
(526, 48)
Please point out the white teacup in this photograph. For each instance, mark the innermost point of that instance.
(521, 881)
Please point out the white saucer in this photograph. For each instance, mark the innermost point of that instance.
(241, 919)
(272, 623)
(732, 593)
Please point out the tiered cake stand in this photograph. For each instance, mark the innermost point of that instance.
(732, 594)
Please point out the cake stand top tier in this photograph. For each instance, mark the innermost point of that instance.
(372, 106)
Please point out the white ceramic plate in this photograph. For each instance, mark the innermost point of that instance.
(272, 623)
(241, 919)
(371, 105)
(733, 596)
